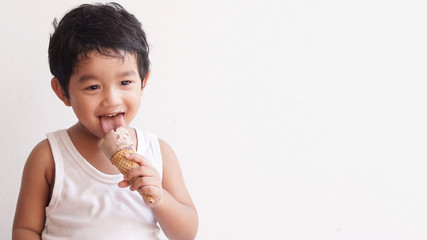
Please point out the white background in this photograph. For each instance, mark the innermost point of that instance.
(297, 119)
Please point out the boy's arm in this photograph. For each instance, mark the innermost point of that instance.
(37, 177)
(175, 212)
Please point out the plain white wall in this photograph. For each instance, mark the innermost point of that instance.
(292, 119)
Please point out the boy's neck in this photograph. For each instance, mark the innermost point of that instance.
(86, 145)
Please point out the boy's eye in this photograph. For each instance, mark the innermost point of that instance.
(93, 87)
(125, 83)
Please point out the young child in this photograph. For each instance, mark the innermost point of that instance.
(98, 55)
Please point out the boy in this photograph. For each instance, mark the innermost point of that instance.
(98, 55)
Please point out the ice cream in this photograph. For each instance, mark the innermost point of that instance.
(115, 141)
(115, 145)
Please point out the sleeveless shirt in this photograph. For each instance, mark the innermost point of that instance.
(88, 204)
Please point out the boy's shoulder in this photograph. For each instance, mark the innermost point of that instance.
(42, 149)
(36, 189)
(40, 160)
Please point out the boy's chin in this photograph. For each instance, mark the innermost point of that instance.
(97, 133)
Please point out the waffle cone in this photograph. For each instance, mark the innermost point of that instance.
(120, 161)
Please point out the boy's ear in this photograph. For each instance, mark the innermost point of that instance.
(59, 91)
(144, 83)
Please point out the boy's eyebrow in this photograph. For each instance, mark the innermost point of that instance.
(127, 73)
(87, 77)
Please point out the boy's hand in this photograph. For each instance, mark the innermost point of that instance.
(146, 179)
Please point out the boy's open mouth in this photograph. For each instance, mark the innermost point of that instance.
(111, 121)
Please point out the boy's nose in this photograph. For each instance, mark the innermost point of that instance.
(111, 98)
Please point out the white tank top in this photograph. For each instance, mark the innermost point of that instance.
(88, 204)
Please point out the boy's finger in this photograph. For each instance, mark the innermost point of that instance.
(142, 161)
(124, 184)
(143, 182)
(141, 171)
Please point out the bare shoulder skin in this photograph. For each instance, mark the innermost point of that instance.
(176, 212)
(34, 196)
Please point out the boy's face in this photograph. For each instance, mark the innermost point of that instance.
(105, 92)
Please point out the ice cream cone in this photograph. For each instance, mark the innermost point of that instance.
(116, 147)
(120, 161)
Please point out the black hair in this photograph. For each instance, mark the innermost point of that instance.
(107, 29)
